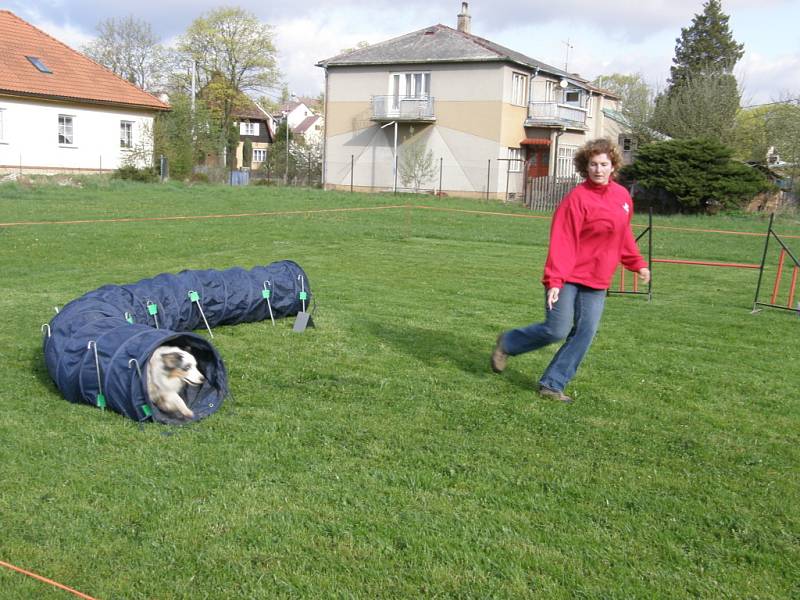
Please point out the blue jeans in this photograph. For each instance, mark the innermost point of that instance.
(576, 317)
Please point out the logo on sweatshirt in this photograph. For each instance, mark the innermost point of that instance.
(626, 208)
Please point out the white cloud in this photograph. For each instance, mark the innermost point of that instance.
(627, 36)
(72, 36)
(769, 78)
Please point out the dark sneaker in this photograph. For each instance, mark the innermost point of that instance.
(546, 392)
(499, 357)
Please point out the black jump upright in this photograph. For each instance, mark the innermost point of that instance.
(785, 251)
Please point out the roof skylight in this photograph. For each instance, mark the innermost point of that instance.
(37, 62)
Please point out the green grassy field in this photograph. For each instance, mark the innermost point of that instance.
(377, 456)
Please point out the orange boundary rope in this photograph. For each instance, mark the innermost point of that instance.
(46, 580)
(201, 217)
(354, 209)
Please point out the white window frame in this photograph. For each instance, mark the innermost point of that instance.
(515, 160)
(259, 152)
(519, 87)
(565, 165)
(577, 102)
(126, 134)
(66, 122)
(549, 91)
(249, 128)
(409, 84)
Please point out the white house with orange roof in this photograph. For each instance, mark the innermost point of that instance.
(61, 111)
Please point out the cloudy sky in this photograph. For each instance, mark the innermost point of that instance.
(588, 37)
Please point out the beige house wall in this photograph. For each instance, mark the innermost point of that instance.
(470, 116)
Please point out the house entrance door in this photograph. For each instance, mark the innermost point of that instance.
(538, 161)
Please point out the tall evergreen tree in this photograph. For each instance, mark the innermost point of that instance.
(706, 48)
(702, 97)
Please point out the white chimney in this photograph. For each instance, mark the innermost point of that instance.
(464, 18)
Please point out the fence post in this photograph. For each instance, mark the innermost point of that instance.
(441, 160)
(508, 173)
(488, 176)
(352, 167)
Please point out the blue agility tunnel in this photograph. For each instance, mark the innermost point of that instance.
(97, 347)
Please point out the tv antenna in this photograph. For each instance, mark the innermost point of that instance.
(566, 60)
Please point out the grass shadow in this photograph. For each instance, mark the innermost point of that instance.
(39, 369)
(470, 354)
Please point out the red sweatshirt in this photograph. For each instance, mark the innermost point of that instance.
(590, 235)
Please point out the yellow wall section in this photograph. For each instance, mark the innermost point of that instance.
(476, 118)
(512, 125)
(345, 117)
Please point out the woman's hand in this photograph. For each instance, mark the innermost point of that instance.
(644, 275)
(552, 297)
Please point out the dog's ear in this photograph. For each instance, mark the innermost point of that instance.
(172, 360)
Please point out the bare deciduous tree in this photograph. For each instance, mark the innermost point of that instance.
(130, 49)
(416, 165)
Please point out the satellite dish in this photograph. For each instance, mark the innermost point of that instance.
(563, 83)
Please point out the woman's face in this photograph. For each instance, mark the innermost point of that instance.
(600, 169)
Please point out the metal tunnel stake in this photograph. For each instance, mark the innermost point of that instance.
(303, 318)
(101, 399)
(152, 310)
(195, 297)
(145, 408)
(266, 293)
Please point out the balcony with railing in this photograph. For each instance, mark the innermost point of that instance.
(403, 108)
(556, 114)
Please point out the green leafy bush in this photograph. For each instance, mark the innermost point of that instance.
(131, 173)
(699, 174)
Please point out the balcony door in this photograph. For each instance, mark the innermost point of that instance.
(405, 86)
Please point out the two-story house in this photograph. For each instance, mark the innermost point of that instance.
(61, 111)
(310, 130)
(487, 116)
(257, 125)
(296, 111)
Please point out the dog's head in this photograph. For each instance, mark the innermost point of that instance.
(180, 364)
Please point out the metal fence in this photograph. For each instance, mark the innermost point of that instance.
(544, 193)
(500, 178)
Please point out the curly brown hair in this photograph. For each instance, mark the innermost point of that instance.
(593, 148)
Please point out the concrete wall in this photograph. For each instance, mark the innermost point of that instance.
(30, 136)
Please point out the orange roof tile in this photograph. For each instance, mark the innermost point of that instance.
(73, 77)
